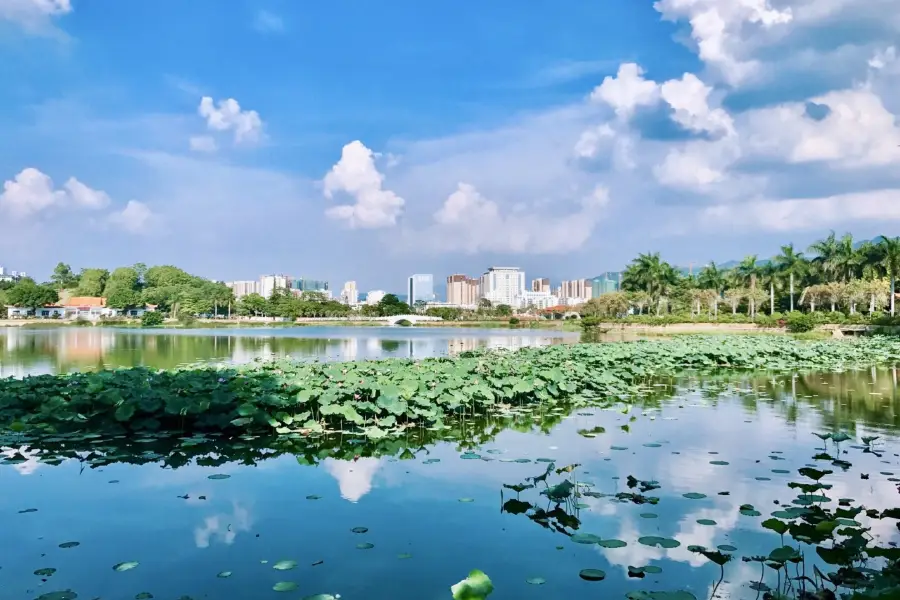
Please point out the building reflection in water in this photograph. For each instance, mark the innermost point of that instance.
(62, 349)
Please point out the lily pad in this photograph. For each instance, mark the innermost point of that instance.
(592, 574)
(285, 565)
(612, 544)
(477, 586)
(219, 476)
(313, 497)
(467, 500)
(536, 581)
(45, 572)
(224, 574)
(60, 595)
(706, 522)
(404, 555)
(662, 542)
(586, 538)
(649, 515)
(365, 546)
(143, 596)
(360, 529)
(720, 463)
(285, 586)
(66, 545)
(726, 548)
(125, 566)
(694, 496)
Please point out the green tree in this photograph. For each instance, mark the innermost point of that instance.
(890, 252)
(63, 277)
(253, 305)
(391, 305)
(747, 273)
(122, 290)
(503, 310)
(92, 282)
(649, 273)
(167, 275)
(27, 294)
(793, 264)
(826, 260)
(711, 278)
(4, 302)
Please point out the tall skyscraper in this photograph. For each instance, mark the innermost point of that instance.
(420, 287)
(463, 290)
(503, 285)
(269, 283)
(605, 284)
(350, 295)
(577, 289)
(540, 285)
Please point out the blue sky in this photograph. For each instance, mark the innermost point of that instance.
(345, 141)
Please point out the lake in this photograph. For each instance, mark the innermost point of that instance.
(60, 349)
(404, 519)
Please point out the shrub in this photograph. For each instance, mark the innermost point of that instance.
(798, 322)
(514, 321)
(151, 319)
(404, 323)
(186, 319)
(589, 322)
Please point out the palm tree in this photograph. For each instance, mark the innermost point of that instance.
(845, 258)
(890, 260)
(711, 278)
(793, 264)
(826, 252)
(770, 276)
(747, 271)
(648, 273)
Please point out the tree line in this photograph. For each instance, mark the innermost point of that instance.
(834, 273)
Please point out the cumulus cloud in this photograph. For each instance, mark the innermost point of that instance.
(469, 222)
(627, 91)
(135, 218)
(227, 115)
(32, 192)
(34, 16)
(689, 99)
(356, 175)
(717, 27)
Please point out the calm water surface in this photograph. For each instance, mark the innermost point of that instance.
(31, 351)
(434, 510)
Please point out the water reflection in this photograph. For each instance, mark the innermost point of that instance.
(32, 351)
(298, 499)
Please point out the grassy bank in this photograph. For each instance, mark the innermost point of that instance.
(381, 398)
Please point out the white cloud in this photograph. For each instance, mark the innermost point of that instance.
(135, 218)
(228, 116)
(857, 131)
(34, 16)
(356, 175)
(592, 140)
(627, 91)
(203, 143)
(883, 58)
(717, 27)
(267, 22)
(32, 192)
(689, 98)
(469, 222)
(697, 165)
(877, 206)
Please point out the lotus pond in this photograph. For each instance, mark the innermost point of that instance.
(728, 485)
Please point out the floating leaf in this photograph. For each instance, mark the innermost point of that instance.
(662, 542)
(592, 574)
(365, 546)
(705, 522)
(536, 581)
(45, 572)
(224, 574)
(61, 595)
(694, 496)
(586, 538)
(218, 476)
(285, 586)
(360, 529)
(125, 566)
(285, 565)
(611, 544)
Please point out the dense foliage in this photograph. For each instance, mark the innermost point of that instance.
(387, 397)
(839, 274)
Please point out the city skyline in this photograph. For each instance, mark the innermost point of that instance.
(126, 140)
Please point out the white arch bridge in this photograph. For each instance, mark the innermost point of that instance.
(411, 318)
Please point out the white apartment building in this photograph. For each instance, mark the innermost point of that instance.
(268, 284)
(503, 285)
(540, 285)
(243, 288)
(350, 295)
(375, 296)
(539, 300)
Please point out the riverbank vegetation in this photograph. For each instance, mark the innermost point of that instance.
(381, 398)
(839, 281)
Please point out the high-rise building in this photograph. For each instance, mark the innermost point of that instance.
(604, 284)
(375, 296)
(243, 288)
(579, 290)
(463, 291)
(503, 285)
(420, 288)
(350, 295)
(269, 283)
(308, 285)
(540, 285)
